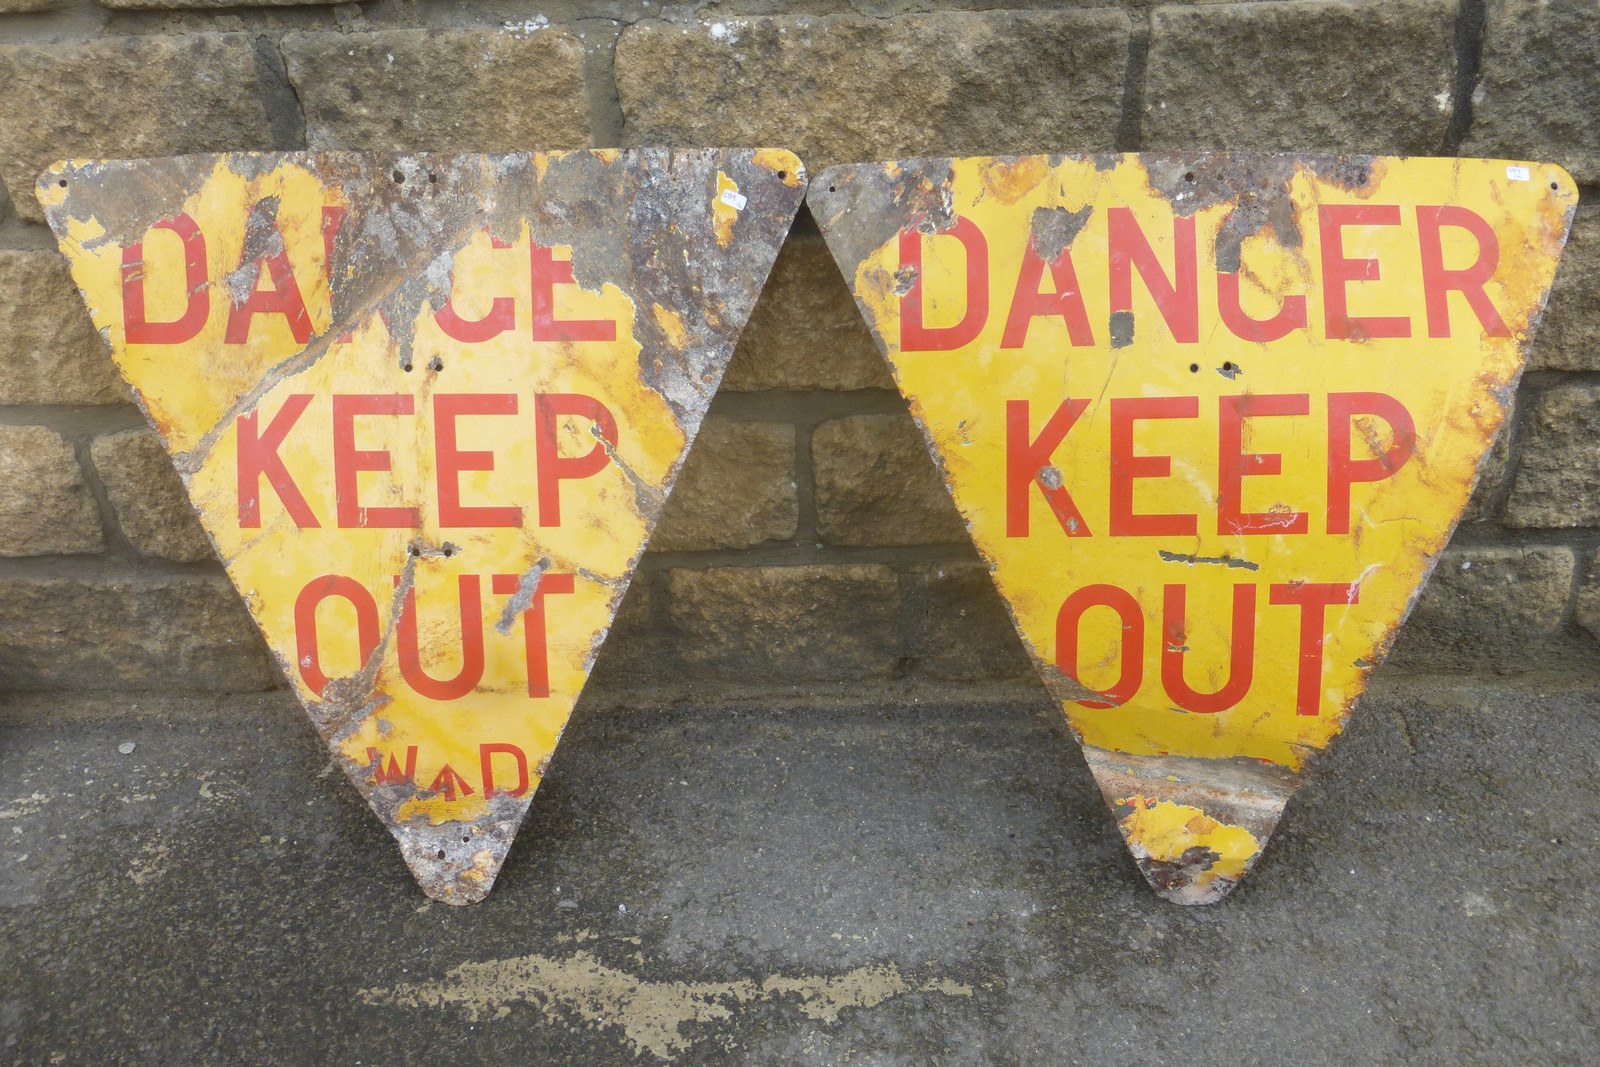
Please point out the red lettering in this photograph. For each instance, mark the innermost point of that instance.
(348, 462)
(257, 455)
(448, 782)
(534, 633)
(1468, 281)
(1126, 466)
(1235, 464)
(486, 755)
(1313, 598)
(450, 460)
(1290, 317)
(914, 336)
(470, 600)
(307, 656)
(1344, 471)
(1338, 271)
(1119, 600)
(1177, 298)
(554, 468)
(501, 316)
(548, 272)
(1028, 303)
(1241, 651)
(392, 775)
(282, 299)
(137, 328)
(1028, 464)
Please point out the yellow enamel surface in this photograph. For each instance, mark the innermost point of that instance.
(1162, 832)
(188, 389)
(1451, 386)
(724, 214)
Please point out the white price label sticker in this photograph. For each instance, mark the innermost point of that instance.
(1518, 174)
(734, 199)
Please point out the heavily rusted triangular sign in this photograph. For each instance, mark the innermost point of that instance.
(1210, 420)
(428, 408)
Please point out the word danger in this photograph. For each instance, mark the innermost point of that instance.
(277, 293)
(1176, 294)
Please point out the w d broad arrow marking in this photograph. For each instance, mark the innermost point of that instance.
(1210, 420)
(429, 409)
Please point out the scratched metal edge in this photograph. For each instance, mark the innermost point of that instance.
(892, 194)
(457, 862)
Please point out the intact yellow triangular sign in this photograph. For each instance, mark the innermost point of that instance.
(429, 408)
(1210, 421)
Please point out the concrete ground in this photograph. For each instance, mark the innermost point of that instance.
(891, 883)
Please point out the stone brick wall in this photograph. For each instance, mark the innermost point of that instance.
(810, 541)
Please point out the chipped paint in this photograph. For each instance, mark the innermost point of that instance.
(1210, 421)
(428, 409)
(651, 1015)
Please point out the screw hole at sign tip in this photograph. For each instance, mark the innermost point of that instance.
(441, 853)
(1189, 177)
(1194, 368)
(63, 183)
(398, 177)
(466, 839)
(1555, 186)
(832, 189)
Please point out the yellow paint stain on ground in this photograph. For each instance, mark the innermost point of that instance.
(651, 1015)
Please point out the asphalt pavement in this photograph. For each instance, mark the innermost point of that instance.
(898, 879)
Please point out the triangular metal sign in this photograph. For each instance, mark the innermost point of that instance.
(1210, 421)
(429, 408)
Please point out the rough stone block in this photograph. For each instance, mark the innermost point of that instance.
(967, 635)
(736, 490)
(805, 624)
(1558, 480)
(632, 652)
(49, 351)
(440, 90)
(1490, 609)
(806, 331)
(124, 97)
(148, 498)
(1569, 336)
(877, 485)
(175, 633)
(1587, 613)
(1492, 475)
(45, 507)
(198, 5)
(1332, 76)
(844, 88)
(1539, 85)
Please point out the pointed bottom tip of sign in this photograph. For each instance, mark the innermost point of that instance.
(455, 869)
(1194, 826)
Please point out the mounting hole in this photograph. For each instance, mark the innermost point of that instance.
(441, 853)
(783, 175)
(1227, 368)
(63, 183)
(414, 550)
(832, 189)
(1556, 186)
(1189, 177)
(406, 367)
(466, 839)
(433, 179)
(398, 177)
(1194, 368)
(449, 551)
(436, 363)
